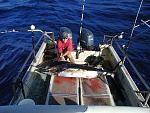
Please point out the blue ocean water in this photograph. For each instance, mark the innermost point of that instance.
(101, 17)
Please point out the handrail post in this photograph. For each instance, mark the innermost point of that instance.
(147, 98)
(53, 38)
(104, 39)
(33, 47)
(111, 41)
(125, 57)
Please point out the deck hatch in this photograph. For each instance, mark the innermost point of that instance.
(95, 92)
(63, 91)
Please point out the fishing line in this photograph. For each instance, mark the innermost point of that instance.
(126, 47)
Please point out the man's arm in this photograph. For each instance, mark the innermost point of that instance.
(69, 47)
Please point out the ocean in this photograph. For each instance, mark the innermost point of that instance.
(100, 16)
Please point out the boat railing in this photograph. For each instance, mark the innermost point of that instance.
(137, 73)
(108, 39)
(18, 84)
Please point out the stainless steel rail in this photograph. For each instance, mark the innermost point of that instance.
(138, 74)
(19, 75)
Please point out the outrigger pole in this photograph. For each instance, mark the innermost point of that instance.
(79, 37)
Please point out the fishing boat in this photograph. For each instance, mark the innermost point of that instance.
(98, 81)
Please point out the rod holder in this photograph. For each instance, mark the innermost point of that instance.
(78, 51)
(33, 46)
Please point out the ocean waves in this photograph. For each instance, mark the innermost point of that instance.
(100, 16)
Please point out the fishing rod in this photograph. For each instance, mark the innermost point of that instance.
(125, 48)
(134, 25)
(82, 15)
(81, 26)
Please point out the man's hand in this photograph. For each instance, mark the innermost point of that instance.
(62, 58)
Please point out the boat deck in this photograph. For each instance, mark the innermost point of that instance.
(78, 91)
(59, 90)
(69, 91)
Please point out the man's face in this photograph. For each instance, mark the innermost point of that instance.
(65, 40)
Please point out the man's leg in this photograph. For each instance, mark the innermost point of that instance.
(71, 59)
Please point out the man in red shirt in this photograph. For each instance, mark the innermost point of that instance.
(64, 46)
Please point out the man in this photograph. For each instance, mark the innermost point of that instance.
(64, 44)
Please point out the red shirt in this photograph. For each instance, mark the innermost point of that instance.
(61, 45)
